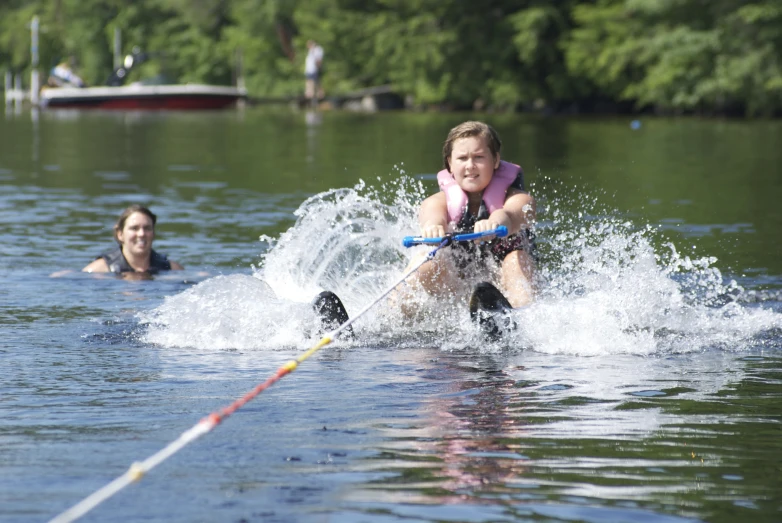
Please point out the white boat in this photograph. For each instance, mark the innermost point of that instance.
(146, 97)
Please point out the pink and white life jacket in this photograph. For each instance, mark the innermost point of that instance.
(493, 195)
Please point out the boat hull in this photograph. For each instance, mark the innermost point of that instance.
(144, 97)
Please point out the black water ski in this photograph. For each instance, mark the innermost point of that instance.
(332, 313)
(490, 309)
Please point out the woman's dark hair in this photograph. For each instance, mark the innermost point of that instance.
(127, 212)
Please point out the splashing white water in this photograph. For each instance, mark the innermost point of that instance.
(226, 312)
(348, 241)
(603, 288)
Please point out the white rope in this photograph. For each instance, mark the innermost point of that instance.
(134, 473)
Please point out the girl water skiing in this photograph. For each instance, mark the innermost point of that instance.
(479, 192)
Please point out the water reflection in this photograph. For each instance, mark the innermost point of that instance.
(475, 430)
(313, 119)
(504, 432)
(36, 147)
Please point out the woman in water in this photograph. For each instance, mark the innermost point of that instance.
(134, 232)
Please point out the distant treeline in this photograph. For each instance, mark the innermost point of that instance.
(666, 56)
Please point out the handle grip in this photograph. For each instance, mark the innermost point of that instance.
(500, 232)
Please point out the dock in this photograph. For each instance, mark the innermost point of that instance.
(14, 93)
(370, 99)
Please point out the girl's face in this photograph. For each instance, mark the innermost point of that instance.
(137, 234)
(472, 164)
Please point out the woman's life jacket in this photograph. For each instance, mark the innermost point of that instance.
(118, 264)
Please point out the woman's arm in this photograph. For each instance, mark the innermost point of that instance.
(98, 265)
(175, 266)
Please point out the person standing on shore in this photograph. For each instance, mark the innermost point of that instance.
(313, 65)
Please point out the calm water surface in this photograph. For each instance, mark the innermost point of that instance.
(645, 384)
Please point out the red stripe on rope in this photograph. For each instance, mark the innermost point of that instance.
(221, 414)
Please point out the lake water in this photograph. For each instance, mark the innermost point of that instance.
(644, 384)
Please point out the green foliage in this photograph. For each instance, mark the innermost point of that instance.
(603, 47)
(681, 55)
(667, 55)
(15, 18)
(538, 31)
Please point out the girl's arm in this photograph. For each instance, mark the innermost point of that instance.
(433, 216)
(518, 212)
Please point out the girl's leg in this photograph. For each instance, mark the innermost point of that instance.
(436, 277)
(516, 277)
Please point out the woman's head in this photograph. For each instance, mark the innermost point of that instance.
(136, 225)
(472, 129)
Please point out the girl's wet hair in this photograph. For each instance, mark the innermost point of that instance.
(127, 212)
(468, 130)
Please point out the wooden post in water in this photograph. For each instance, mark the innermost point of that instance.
(35, 82)
(240, 76)
(9, 85)
(18, 94)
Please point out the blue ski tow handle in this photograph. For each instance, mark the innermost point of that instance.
(500, 232)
